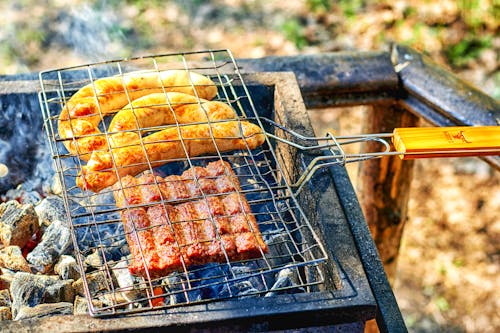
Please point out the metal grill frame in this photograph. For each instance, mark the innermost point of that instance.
(303, 223)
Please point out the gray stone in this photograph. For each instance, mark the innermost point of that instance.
(11, 257)
(5, 313)
(97, 281)
(51, 209)
(18, 223)
(5, 298)
(55, 242)
(30, 290)
(67, 268)
(44, 310)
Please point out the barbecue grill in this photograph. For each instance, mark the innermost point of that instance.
(310, 219)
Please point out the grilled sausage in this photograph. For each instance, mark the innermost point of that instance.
(80, 117)
(164, 146)
(161, 109)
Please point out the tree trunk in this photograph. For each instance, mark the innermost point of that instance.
(384, 185)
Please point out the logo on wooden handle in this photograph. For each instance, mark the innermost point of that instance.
(456, 137)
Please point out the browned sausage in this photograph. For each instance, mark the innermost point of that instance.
(80, 117)
(162, 109)
(165, 146)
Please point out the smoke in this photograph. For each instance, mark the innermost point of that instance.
(93, 33)
(23, 147)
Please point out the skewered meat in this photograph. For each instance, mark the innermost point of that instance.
(215, 224)
(165, 146)
(80, 117)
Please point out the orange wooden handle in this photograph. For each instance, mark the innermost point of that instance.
(425, 142)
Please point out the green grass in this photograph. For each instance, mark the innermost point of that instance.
(294, 32)
(468, 49)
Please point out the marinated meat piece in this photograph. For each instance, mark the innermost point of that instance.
(215, 226)
(141, 242)
(173, 188)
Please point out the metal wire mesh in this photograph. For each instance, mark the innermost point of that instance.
(293, 262)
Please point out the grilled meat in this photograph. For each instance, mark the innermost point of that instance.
(213, 222)
(163, 146)
(80, 117)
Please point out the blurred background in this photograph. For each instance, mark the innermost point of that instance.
(448, 272)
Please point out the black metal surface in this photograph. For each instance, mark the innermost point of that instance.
(346, 78)
(444, 93)
(389, 318)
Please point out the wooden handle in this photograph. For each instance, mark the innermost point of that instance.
(425, 142)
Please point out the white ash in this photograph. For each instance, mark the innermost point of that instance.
(286, 279)
(18, 223)
(11, 257)
(44, 310)
(56, 186)
(55, 242)
(30, 290)
(67, 268)
(5, 313)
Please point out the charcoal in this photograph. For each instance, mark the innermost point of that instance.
(11, 257)
(21, 195)
(5, 313)
(126, 281)
(114, 300)
(18, 223)
(94, 260)
(5, 298)
(50, 209)
(56, 241)
(6, 277)
(30, 290)
(97, 281)
(80, 306)
(44, 310)
(244, 288)
(286, 282)
(55, 186)
(67, 268)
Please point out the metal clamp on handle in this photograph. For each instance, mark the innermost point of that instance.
(334, 145)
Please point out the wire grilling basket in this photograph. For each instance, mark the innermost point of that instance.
(275, 249)
(289, 261)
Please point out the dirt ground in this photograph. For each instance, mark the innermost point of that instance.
(448, 277)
